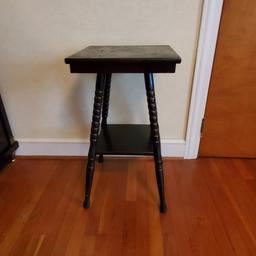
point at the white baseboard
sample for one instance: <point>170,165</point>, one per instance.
<point>76,147</point>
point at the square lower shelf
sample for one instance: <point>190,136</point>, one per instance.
<point>124,139</point>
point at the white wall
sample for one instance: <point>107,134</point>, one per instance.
<point>43,100</point>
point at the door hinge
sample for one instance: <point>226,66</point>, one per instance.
<point>202,127</point>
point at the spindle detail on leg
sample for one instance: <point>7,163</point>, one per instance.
<point>155,136</point>
<point>95,126</point>
<point>105,107</point>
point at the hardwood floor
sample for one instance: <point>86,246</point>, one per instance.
<point>211,208</point>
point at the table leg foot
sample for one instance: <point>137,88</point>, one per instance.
<point>163,207</point>
<point>100,158</point>
<point>13,157</point>
<point>86,203</point>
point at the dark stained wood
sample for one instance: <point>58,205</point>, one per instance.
<point>105,60</point>
<point>95,127</point>
<point>124,59</point>
<point>8,145</point>
<point>106,99</point>
<point>124,139</point>
<point>105,107</point>
<point>155,137</point>
<point>212,208</point>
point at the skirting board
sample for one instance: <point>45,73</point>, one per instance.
<point>64,147</point>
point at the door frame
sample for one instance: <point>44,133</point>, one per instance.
<point>209,28</point>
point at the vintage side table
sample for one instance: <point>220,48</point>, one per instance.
<point>123,139</point>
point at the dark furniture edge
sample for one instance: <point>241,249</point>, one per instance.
<point>7,155</point>
<point>70,60</point>
<point>129,67</point>
<point>5,121</point>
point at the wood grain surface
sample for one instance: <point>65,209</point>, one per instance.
<point>124,59</point>
<point>125,52</point>
<point>230,117</point>
<point>212,208</point>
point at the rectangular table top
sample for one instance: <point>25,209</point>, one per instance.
<point>124,59</point>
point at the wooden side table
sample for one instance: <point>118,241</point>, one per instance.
<point>123,139</point>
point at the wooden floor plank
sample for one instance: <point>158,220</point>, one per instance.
<point>24,201</point>
<point>211,208</point>
<point>196,223</point>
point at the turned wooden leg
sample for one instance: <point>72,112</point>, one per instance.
<point>100,158</point>
<point>95,126</point>
<point>149,83</point>
<point>105,107</point>
<point>106,99</point>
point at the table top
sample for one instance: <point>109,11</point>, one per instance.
<point>124,59</point>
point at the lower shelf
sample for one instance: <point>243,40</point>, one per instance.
<point>125,139</point>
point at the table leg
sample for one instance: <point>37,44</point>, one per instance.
<point>149,83</point>
<point>95,126</point>
<point>105,106</point>
<point>106,99</point>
